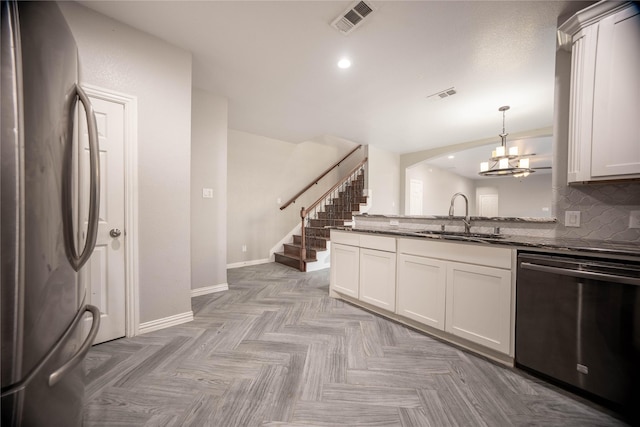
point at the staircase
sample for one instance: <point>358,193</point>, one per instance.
<point>337,210</point>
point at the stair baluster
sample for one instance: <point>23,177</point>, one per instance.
<point>334,208</point>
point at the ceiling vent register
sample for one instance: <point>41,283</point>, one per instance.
<point>443,93</point>
<point>353,17</point>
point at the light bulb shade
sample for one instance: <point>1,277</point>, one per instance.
<point>500,152</point>
<point>523,163</point>
<point>504,164</point>
<point>484,166</point>
<point>513,151</point>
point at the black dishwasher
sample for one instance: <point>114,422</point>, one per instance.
<point>578,322</point>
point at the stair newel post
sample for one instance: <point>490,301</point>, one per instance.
<point>303,233</point>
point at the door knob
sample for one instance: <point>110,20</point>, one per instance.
<point>115,232</point>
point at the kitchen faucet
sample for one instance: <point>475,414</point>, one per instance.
<point>466,220</point>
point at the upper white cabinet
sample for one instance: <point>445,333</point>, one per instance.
<point>604,122</point>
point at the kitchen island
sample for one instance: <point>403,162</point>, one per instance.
<point>456,286</point>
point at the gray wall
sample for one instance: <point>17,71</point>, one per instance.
<point>208,170</point>
<point>438,187</point>
<point>383,181</point>
<point>262,170</point>
<point>117,57</point>
<point>530,196</point>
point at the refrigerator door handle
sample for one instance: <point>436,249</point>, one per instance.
<point>77,261</point>
<point>57,375</point>
<point>84,348</point>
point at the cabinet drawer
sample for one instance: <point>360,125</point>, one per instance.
<point>345,238</point>
<point>380,243</point>
<point>481,255</point>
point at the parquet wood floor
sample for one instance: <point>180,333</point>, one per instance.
<point>276,350</point>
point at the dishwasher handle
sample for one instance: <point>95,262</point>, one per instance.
<point>581,273</point>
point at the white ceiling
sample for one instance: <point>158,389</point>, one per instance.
<point>276,63</point>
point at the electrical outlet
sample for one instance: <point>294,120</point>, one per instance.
<point>572,219</point>
<point>207,193</point>
<point>244,248</point>
<point>634,219</point>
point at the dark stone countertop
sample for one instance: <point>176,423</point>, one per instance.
<point>539,220</point>
<point>556,244</point>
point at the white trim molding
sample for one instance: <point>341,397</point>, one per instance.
<point>130,105</point>
<point>165,322</point>
<point>248,263</point>
<point>209,290</point>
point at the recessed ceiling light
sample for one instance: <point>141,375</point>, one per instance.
<point>344,63</point>
<point>451,157</point>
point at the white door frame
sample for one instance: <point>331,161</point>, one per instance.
<point>130,105</point>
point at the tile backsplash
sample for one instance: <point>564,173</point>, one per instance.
<point>604,210</point>
<point>604,215</point>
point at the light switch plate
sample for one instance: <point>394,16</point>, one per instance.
<point>572,219</point>
<point>207,193</point>
<point>634,219</point>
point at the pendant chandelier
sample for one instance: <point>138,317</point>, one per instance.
<point>503,161</point>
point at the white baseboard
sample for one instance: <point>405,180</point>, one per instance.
<point>165,322</point>
<point>209,290</point>
<point>247,263</point>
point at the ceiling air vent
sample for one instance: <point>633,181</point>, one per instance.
<point>444,93</point>
<point>353,17</point>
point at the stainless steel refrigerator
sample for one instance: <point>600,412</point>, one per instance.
<point>42,299</point>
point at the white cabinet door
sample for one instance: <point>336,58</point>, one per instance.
<point>479,304</point>
<point>604,130</point>
<point>616,102</point>
<point>583,54</point>
<point>422,289</point>
<point>345,269</point>
<point>378,278</point>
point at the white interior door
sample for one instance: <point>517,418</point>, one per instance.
<point>488,205</point>
<point>415,197</point>
<point>104,273</point>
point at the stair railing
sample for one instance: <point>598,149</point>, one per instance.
<point>305,243</point>
<point>315,181</point>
